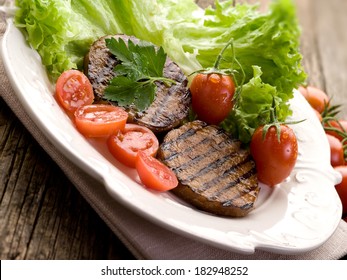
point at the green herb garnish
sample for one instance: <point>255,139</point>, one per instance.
<point>141,66</point>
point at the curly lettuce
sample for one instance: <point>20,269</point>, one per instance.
<point>266,45</point>
<point>63,30</point>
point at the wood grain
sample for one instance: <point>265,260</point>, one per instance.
<point>42,215</point>
<point>323,45</point>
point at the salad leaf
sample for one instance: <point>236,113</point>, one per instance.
<point>254,107</point>
<point>266,43</point>
<point>268,40</point>
<point>63,30</point>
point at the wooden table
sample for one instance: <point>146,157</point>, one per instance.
<point>42,215</point>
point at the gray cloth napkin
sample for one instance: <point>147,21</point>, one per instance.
<point>143,238</point>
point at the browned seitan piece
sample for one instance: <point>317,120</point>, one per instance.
<point>171,105</point>
<point>215,174</point>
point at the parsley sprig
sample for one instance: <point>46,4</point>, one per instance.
<point>141,66</point>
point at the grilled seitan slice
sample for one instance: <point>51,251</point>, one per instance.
<point>171,105</point>
<point>215,174</point>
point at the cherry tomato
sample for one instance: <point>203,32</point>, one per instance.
<point>317,98</point>
<point>73,89</point>
<point>341,188</point>
<point>212,96</point>
<point>336,151</point>
<point>274,159</point>
<point>99,120</point>
<point>154,174</point>
<point>125,144</point>
<point>340,125</point>
<point>319,116</point>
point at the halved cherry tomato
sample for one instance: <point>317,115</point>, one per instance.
<point>154,174</point>
<point>73,89</point>
<point>340,125</point>
<point>274,159</point>
<point>100,120</point>
<point>341,188</point>
<point>317,98</point>
<point>125,144</point>
<point>336,151</point>
<point>212,96</point>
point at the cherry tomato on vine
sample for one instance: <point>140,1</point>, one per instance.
<point>319,116</point>
<point>154,174</point>
<point>317,98</point>
<point>341,188</point>
<point>125,144</point>
<point>274,158</point>
<point>336,151</point>
<point>99,120</point>
<point>73,89</point>
<point>212,96</point>
<point>340,125</point>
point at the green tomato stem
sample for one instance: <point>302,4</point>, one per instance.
<point>337,131</point>
<point>220,55</point>
<point>166,81</point>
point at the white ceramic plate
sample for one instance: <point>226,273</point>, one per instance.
<point>294,217</point>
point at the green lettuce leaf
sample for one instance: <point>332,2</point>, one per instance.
<point>265,44</point>
<point>254,107</point>
<point>268,41</point>
<point>63,30</point>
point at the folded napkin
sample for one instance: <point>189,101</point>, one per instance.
<point>143,238</point>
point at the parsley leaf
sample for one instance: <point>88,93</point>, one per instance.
<point>141,66</point>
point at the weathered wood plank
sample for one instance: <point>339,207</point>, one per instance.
<point>323,45</point>
<point>309,47</point>
<point>42,215</point>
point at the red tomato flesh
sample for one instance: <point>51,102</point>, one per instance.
<point>73,89</point>
<point>100,120</point>
<point>212,96</point>
<point>125,144</point>
<point>342,187</point>
<point>154,174</point>
<point>274,159</point>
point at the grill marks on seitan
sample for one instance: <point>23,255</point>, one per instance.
<point>215,174</point>
<point>171,105</point>
<point>99,64</point>
<point>168,110</point>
